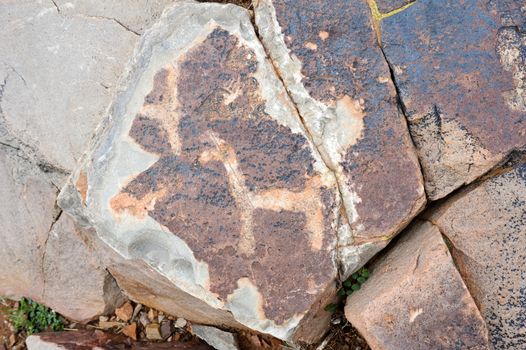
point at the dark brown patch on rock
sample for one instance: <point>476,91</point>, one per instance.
<point>459,67</point>
<point>235,185</point>
<point>341,60</point>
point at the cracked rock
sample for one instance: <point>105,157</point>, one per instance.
<point>416,299</point>
<point>42,252</point>
<point>460,68</point>
<point>63,69</point>
<point>486,227</point>
<point>203,179</point>
<point>330,62</point>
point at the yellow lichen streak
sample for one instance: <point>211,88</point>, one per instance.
<point>378,16</point>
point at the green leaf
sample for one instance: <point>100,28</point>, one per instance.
<point>361,279</point>
<point>341,292</point>
<point>355,287</point>
<point>365,273</point>
<point>354,276</point>
<point>349,292</point>
<point>347,283</point>
<point>330,307</point>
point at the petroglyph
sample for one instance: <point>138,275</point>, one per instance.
<point>233,183</point>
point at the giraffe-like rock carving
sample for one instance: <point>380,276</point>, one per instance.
<point>238,187</point>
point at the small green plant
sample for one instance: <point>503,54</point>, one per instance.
<point>349,286</point>
<point>31,317</point>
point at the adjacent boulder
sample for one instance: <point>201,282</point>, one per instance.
<point>460,67</point>
<point>58,70</point>
<point>43,254</point>
<point>416,299</point>
<point>331,64</point>
<point>97,340</point>
<point>486,227</point>
<point>203,178</point>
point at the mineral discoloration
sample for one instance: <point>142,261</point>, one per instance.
<point>388,6</point>
<point>82,186</point>
<point>333,68</point>
<point>239,188</point>
<point>473,78</point>
<point>416,299</point>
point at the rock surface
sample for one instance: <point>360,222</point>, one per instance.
<point>460,68</point>
<point>416,299</point>
<point>193,181</point>
<point>334,70</point>
<point>95,340</point>
<point>58,69</point>
<point>42,252</point>
<point>217,338</point>
<point>486,226</point>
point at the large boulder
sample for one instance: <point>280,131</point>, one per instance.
<point>204,181</point>
<point>416,299</point>
<point>486,227</point>
<point>58,69</point>
<point>331,64</point>
<point>460,67</point>
<point>43,254</point>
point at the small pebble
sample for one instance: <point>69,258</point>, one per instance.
<point>153,332</point>
<point>180,323</point>
<point>130,331</point>
<point>125,312</point>
<point>152,315</point>
<point>143,318</point>
<point>138,308</point>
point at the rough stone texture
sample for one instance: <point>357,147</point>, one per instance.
<point>486,226</point>
<point>217,338</point>
<point>460,68</point>
<point>134,16</point>
<point>42,253</point>
<point>416,299</point>
<point>332,66</point>
<point>203,165</point>
<point>58,69</point>
<point>95,340</point>
<point>63,60</point>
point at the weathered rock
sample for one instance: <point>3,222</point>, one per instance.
<point>57,73</point>
<point>486,227</point>
<point>42,252</point>
<point>334,70</point>
<point>125,312</point>
<point>460,68</point>
<point>217,338</point>
<point>416,299</point>
<point>203,165</point>
<point>153,331</point>
<point>95,340</point>
<point>134,16</point>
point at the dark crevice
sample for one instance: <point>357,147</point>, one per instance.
<point>343,209</point>
<point>56,217</point>
<point>402,108</point>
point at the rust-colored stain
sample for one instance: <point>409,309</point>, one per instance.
<point>235,185</point>
<point>347,70</point>
<point>82,186</point>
